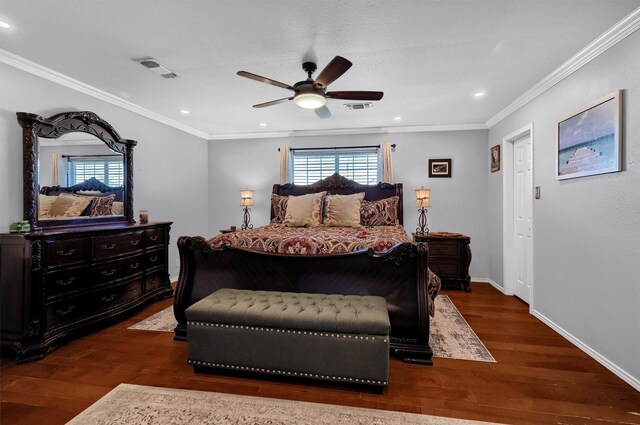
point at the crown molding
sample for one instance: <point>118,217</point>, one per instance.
<point>349,131</point>
<point>610,38</point>
<point>23,64</point>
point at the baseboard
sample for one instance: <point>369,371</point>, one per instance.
<point>622,374</point>
<point>495,285</point>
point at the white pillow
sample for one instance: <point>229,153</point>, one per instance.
<point>343,210</point>
<point>304,211</point>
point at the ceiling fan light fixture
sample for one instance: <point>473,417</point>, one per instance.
<point>310,100</point>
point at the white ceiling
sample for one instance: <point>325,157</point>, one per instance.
<point>428,56</point>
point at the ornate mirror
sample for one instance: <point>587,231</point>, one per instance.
<point>77,171</point>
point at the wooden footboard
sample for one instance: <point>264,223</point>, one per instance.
<point>399,275</point>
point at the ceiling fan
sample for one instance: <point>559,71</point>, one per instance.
<point>312,94</point>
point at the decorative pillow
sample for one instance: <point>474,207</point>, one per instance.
<point>89,193</point>
<point>44,205</point>
<point>304,211</point>
<point>383,212</point>
<point>117,208</point>
<point>343,210</point>
<point>100,205</point>
<point>279,207</point>
<point>69,205</point>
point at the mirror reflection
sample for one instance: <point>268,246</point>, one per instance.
<point>79,176</point>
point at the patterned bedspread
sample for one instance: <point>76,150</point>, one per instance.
<point>281,239</point>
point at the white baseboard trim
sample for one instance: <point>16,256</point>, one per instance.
<point>622,374</point>
<point>495,285</point>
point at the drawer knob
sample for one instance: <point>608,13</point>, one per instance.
<point>134,266</point>
<point>108,299</point>
<point>65,282</point>
<point>109,247</point>
<point>65,311</point>
<point>134,243</point>
<point>153,259</point>
<point>108,272</point>
<point>153,238</point>
<point>66,253</point>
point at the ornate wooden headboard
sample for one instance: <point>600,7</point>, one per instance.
<point>339,185</point>
<point>89,184</point>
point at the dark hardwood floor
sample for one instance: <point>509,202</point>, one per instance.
<point>539,377</point>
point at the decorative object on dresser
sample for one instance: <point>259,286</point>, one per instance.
<point>449,257</point>
<point>63,279</point>
<point>246,201</point>
<point>423,201</point>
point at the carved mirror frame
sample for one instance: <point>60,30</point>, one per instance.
<point>35,126</point>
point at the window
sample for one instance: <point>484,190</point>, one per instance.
<point>358,164</point>
<point>109,169</point>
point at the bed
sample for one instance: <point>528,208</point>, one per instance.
<point>364,260</point>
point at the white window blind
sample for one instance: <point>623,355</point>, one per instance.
<point>108,170</point>
<point>360,165</point>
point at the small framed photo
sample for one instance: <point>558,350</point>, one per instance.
<point>440,167</point>
<point>495,158</point>
<point>589,141</point>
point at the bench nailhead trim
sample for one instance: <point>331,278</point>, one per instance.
<point>284,372</point>
<point>257,328</point>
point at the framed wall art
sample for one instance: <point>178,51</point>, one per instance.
<point>440,167</point>
<point>589,141</point>
<point>495,158</point>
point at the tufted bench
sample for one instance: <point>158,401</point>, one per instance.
<point>332,337</point>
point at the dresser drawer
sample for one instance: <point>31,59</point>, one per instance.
<point>445,269</point>
<point>115,245</point>
<point>153,238</point>
<point>114,296</point>
<point>65,311</point>
<point>156,280</point>
<point>112,271</point>
<point>66,281</point>
<point>444,249</point>
<point>154,258</point>
<point>66,252</point>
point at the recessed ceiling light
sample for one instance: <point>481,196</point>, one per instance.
<point>479,94</point>
<point>184,112</point>
<point>398,118</point>
<point>3,24</point>
<point>263,124</point>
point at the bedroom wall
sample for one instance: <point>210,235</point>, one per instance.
<point>459,203</point>
<point>170,166</point>
<point>585,230</point>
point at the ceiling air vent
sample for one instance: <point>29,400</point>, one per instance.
<point>157,67</point>
<point>358,106</point>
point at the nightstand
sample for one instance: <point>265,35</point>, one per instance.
<point>449,257</point>
<point>230,230</point>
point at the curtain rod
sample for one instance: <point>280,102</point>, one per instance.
<point>335,147</point>
<point>90,156</point>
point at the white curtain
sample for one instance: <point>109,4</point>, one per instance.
<point>386,163</point>
<point>284,164</point>
<point>55,178</point>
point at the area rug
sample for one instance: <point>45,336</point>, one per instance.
<point>451,336</point>
<point>137,404</point>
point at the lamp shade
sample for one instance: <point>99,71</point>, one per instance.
<point>309,100</point>
<point>423,198</point>
<point>246,198</point>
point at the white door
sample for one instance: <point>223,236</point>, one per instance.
<point>522,218</point>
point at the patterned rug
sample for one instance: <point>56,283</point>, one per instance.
<point>451,336</point>
<point>138,404</point>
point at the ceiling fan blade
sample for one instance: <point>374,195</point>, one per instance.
<point>323,112</point>
<point>332,72</point>
<point>355,95</point>
<point>272,102</point>
<point>265,80</point>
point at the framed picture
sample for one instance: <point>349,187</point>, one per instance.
<point>589,141</point>
<point>440,168</point>
<point>495,158</point>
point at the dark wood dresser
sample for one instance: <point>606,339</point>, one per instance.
<point>60,280</point>
<point>449,257</point>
